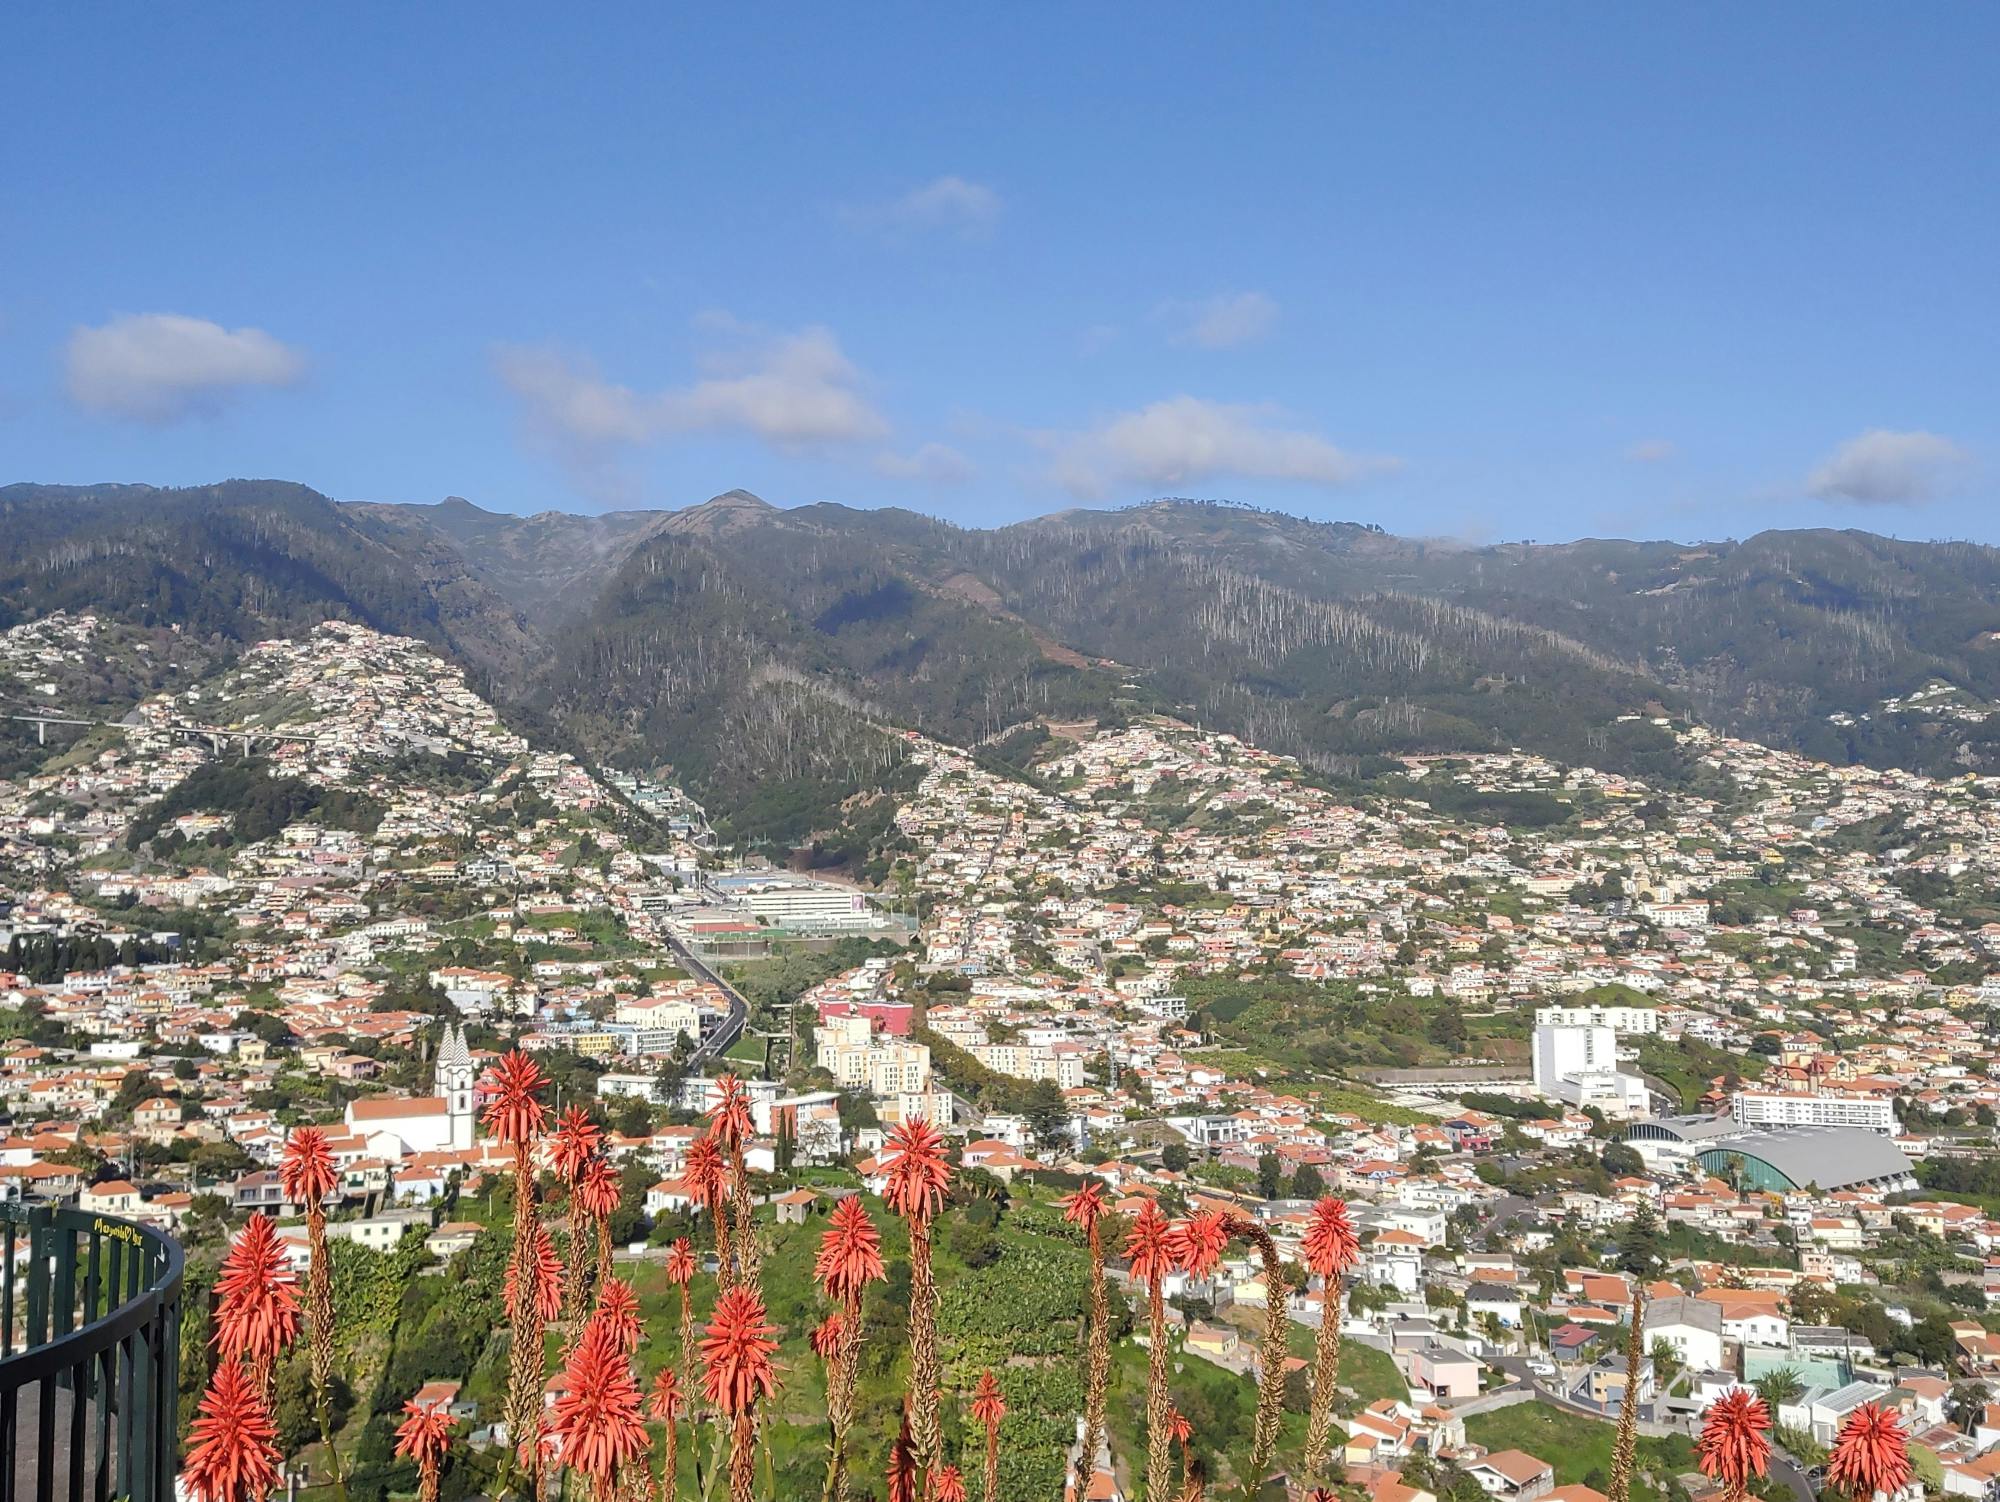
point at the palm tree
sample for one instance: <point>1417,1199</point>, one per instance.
<point>1330,1247</point>
<point>596,1420</point>
<point>1871,1457</point>
<point>665,1404</point>
<point>1625,1448</point>
<point>233,1450</point>
<point>1085,1208</point>
<point>307,1176</point>
<point>515,1116</point>
<point>1735,1441</point>
<point>918,1174</point>
<point>1150,1247</point>
<point>257,1315</point>
<point>729,1122</point>
<point>989,1408</point>
<point>424,1436</point>
<point>705,1176</point>
<point>1779,1387</point>
<point>737,1372</point>
<point>849,1259</point>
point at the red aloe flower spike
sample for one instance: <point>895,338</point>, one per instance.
<point>306,1173</point>
<point>1200,1241</point>
<point>850,1252</point>
<point>618,1311</point>
<point>258,1315</point>
<point>1870,1455</point>
<point>515,1114</point>
<point>919,1172</point>
<point>597,1420</point>
<point>424,1436</point>
<point>1084,1208</point>
<point>729,1120</point>
<point>825,1337</point>
<point>573,1143</point>
<point>680,1262</point>
<point>232,1452</point>
<point>1734,1444</point>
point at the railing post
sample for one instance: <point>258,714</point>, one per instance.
<point>38,1277</point>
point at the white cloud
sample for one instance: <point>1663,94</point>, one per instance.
<point>1222,322</point>
<point>949,204</point>
<point>1884,468</point>
<point>790,390</point>
<point>1185,441</point>
<point>1652,451</point>
<point>937,464</point>
<point>156,367</point>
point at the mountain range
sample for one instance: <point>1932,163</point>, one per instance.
<point>767,656</point>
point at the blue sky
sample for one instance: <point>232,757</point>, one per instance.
<point>1492,272</point>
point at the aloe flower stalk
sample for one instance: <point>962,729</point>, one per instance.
<point>730,1124</point>
<point>918,1174</point>
<point>1150,1248</point>
<point>737,1372</point>
<point>307,1175</point>
<point>706,1177</point>
<point>424,1436</point>
<point>989,1408</point>
<point>1625,1446</point>
<point>849,1259</point>
<point>1085,1209</point>
<point>596,1420</point>
<point>257,1315</point>
<point>666,1404</point>
<point>1330,1247</point>
<point>516,1117</point>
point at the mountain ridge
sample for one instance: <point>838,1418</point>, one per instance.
<point>761,650</point>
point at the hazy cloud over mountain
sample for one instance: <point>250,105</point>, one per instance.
<point>1884,468</point>
<point>1185,440</point>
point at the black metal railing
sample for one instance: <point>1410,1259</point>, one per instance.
<point>90,1334</point>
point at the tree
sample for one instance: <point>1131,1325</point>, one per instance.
<point>1780,1387</point>
<point>1967,1404</point>
<point>1174,1157</point>
<point>1639,1242</point>
<point>1047,1114</point>
<point>1447,1027</point>
<point>1622,1161</point>
<point>1270,1174</point>
<point>1307,1183</point>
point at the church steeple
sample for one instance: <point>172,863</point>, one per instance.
<point>454,1083</point>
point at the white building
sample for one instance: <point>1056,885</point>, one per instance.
<point>396,1126</point>
<point>1781,1108</point>
<point>1621,1020</point>
<point>1580,1065</point>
